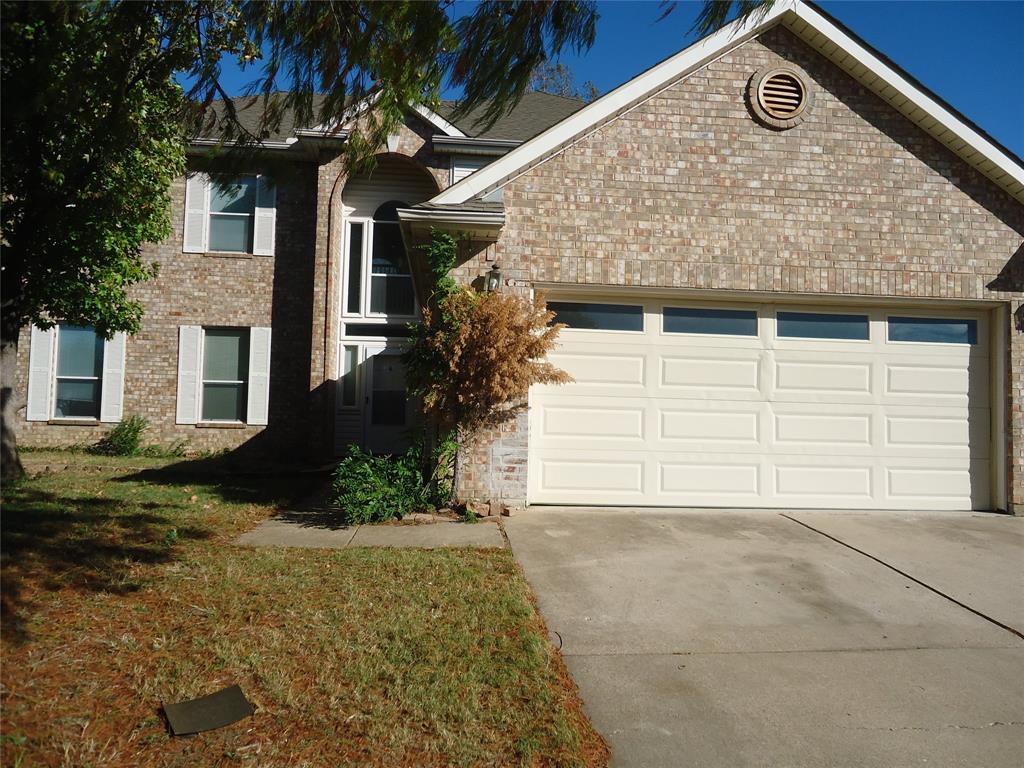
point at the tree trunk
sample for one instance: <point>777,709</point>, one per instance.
<point>10,400</point>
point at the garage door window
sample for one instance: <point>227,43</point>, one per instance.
<point>815,325</point>
<point>598,317</point>
<point>933,330</point>
<point>725,322</point>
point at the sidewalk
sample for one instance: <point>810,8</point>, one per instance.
<point>317,530</point>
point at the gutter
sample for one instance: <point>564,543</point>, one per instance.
<point>475,219</point>
<point>467,145</point>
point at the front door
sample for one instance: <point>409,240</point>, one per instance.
<point>387,412</point>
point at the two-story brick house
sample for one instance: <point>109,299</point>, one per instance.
<point>791,277</point>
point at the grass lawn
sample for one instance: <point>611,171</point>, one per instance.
<point>121,590</point>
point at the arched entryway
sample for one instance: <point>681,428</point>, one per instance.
<point>378,300</point>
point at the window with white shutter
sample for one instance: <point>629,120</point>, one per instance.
<point>230,214</point>
<point>223,375</point>
<point>74,374</point>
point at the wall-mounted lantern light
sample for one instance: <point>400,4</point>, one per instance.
<point>493,278</point>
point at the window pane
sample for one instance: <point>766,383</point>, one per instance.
<point>935,330</point>
<point>355,266</point>
<point>373,329</point>
<point>604,317</point>
<point>388,409</point>
<point>231,233</point>
<point>233,195</point>
<point>223,402</point>
<point>79,351</point>
<point>348,376</point>
<point>812,325</point>
<point>77,399</point>
<point>391,295</point>
<point>388,251</point>
<point>734,322</point>
<point>226,355</point>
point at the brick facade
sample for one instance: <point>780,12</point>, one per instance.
<point>688,190</point>
<point>214,289</point>
<point>683,190</point>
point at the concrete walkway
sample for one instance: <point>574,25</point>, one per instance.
<point>316,531</point>
<point>749,638</point>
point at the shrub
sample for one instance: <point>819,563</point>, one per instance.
<point>123,440</point>
<point>475,357</point>
<point>372,489</point>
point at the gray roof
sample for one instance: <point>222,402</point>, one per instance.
<point>535,112</point>
<point>471,206</point>
<point>250,113</point>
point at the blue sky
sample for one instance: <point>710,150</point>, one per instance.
<point>969,53</point>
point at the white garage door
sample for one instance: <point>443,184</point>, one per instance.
<point>697,404</point>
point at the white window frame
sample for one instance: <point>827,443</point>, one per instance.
<point>366,276</point>
<point>204,381</point>
<point>214,179</point>
<point>198,215</point>
<point>55,367</point>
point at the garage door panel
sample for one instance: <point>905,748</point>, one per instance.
<point>822,379</point>
<point>602,368</point>
<point>685,419</point>
<point>926,484</point>
<point>597,421</point>
<point>821,428</point>
<point>720,425</point>
<point>937,383</point>
<point>702,371</point>
<point>701,481</point>
<point>949,433</point>
<point>852,483</point>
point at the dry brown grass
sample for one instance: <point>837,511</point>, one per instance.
<point>352,657</point>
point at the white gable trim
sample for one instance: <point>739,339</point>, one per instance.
<point>437,121</point>
<point>808,24</point>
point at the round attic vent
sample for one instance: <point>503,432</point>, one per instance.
<point>779,97</point>
<point>781,94</point>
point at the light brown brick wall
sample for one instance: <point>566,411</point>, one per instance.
<point>687,190</point>
<point>294,292</point>
<point>201,289</point>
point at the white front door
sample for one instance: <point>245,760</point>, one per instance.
<point>689,403</point>
<point>387,412</point>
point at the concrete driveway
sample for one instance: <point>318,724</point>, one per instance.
<point>753,638</point>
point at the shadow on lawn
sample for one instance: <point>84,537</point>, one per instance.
<point>54,538</point>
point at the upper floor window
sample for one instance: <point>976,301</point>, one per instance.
<point>232,214</point>
<point>229,214</point>
<point>379,280</point>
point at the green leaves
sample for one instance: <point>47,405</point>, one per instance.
<point>92,141</point>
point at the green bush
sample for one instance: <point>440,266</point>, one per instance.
<point>123,440</point>
<point>372,489</point>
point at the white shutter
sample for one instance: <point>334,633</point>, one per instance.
<point>40,373</point>
<point>190,348</point>
<point>266,217</point>
<point>112,386</point>
<point>259,376</point>
<point>197,220</point>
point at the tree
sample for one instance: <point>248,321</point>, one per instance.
<point>557,78</point>
<point>91,141</point>
<point>94,126</point>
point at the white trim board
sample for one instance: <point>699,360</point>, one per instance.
<point>819,33</point>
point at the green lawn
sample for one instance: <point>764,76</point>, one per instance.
<point>121,590</point>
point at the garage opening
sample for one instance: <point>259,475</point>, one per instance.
<point>681,403</point>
